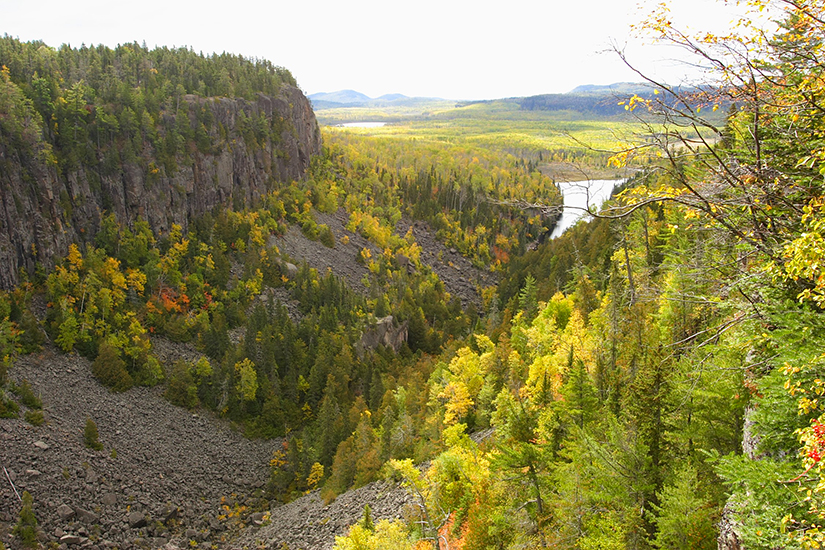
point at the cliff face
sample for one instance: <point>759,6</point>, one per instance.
<point>43,211</point>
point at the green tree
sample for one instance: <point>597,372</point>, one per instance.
<point>8,338</point>
<point>26,527</point>
<point>90,435</point>
<point>521,455</point>
<point>110,369</point>
<point>181,389</point>
<point>684,520</point>
<point>68,332</point>
<point>247,384</point>
<point>527,299</point>
<point>580,399</point>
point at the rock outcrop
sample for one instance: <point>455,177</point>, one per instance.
<point>385,332</point>
<point>42,211</point>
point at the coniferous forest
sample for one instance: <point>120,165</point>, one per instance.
<point>652,378</point>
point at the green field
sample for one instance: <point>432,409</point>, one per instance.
<point>566,143</point>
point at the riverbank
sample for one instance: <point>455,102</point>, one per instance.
<point>581,196</point>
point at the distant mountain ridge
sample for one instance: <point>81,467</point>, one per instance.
<point>600,100</point>
<point>341,96</point>
<point>352,98</point>
<point>588,98</point>
<point>640,88</point>
<point>606,100</point>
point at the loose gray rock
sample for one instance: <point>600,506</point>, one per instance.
<point>86,516</point>
<point>170,513</point>
<point>137,520</point>
<point>65,512</point>
<point>310,524</point>
<point>70,540</point>
<point>386,332</point>
<point>166,456</point>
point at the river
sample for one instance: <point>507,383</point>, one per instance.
<point>579,195</point>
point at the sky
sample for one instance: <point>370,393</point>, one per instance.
<point>454,49</point>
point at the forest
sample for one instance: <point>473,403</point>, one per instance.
<point>653,378</point>
<point>85,97</point>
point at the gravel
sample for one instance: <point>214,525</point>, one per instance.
<point>309,524</point>
<point>166,477</point>
<point>162,462</point>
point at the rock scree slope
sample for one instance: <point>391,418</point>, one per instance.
<point>460,277</point>
<point>164,476</point>
<point>163,473</point>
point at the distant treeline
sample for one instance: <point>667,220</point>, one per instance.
<point>604,105</point>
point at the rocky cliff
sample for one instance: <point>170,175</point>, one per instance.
<point>44,208</point>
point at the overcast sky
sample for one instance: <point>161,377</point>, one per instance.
<point>456,49</point>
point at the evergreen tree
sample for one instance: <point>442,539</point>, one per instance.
<point>26,527</point>
<point>90,435</point>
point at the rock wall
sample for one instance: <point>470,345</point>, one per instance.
<point>385,332</point>
<point>43,211</point>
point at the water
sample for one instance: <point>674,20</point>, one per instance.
<point>579,195</point>
<point>361,124</point>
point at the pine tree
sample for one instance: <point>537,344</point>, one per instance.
<point>26,528</point>
<point>90,435</point>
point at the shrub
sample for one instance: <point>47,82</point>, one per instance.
<point>182,390</point>
<point>110,369</point>
<point>8,408</point>
<point>34,417</point>
<point>90,435</point>
<point>177,330</point>
<point>26,394</point>
<point>149,372</point>
<point>310,229</point>
<point>32,337</point>
<point>326,236</point>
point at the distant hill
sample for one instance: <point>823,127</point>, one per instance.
<point>351,98</point>
<point>393,97</point>
<point>590,100</point>
<point>341,96</point>
<point>602,100</point>
<point>622,88</point>
<point>600,104</point>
